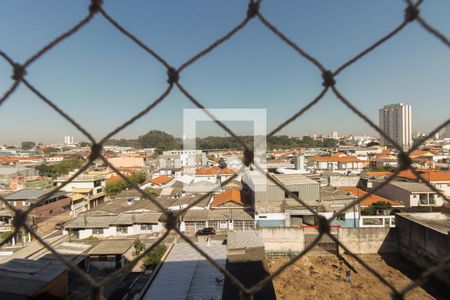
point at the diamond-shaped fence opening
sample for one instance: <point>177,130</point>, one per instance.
<point>174,79</point>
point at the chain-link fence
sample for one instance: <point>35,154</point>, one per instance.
<point>253,14</point>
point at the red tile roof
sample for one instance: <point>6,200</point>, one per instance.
<point>163,179</point>
<point>227,196</point>
<point>369,200</point>
<point>417,153</point>
<point>427,175</point>
<point>227,171</point>
<point>213,171</point>
<point>335,158</point>
<point>378,174</point>
<point>207,171</point>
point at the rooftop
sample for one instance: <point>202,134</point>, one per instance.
<point>111,247</point>
<point>412,187</point>
<point>370,199</point>
<point>435,220</point>
<point>244,239</point>
<point>32,195</point>
<point>26,277</point>
<point>230,195</point>
<point>185,274</point>
<point>291,179</point>
<point>163,179</point>
<point>335,159</point>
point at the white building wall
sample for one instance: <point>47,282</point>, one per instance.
<point>85,233</point>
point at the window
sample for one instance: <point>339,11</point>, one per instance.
<point>194,226</point>
<point>122,229</point>
<point>146,227</point>
<point>432,199</point>
<point>97,231</point>
<point>287,195</point>
<point>423,199</point>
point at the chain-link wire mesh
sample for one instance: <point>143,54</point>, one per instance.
<point>95,9</point>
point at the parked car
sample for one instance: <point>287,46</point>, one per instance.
<point>206,231</point>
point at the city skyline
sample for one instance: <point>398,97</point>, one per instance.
<point>108,74</point>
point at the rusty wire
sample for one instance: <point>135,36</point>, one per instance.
<point>95,9</point>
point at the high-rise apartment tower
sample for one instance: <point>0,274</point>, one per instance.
<point>395,121</point>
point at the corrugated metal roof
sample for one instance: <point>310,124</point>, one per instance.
<point>90,222</point>
<point>217,215</point>
<point>185,274</point>
<point>413,187</point>
<point>111,247</point>
<point>138,218</point>
<point>31,194</point>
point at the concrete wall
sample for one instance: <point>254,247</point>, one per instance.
<point>368,240</point>
<point>357,240</point>
<point>424,246</point>
<point>282,239</point>
<point>343,180</point>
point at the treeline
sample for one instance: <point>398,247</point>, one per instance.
<point>61,168</point>
<point>163,141</point>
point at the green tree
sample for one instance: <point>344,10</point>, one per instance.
<point>28,145</point>
<point>85,144</point>
<point>138,177</point>
<point>67,165</point>
<point>139,246</point>
<point>308,142</point>
<point>45,170</point>
<point>329,143</point>
<point>51,150</point>
<point>376,208</point>
<point>151,192</point>
<point>152,259</point>
<point>158,139</point>
<point>113,188</point>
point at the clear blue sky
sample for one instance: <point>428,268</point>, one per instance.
<point>101,78</point>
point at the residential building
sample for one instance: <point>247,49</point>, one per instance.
<point>127,162</point>
<point>228,199</point>
<point>337,163</point>
<point>90,186</point>
<point>272,205</point>
<point>110,255</point>
<point>158,182</point>
<point>220,220</point>
<point>103,226</point>
<point>44,205</point>
<point>441,180</point>
<point>182,158</point>
<point>395,121</point>
<point>68,140</point>
<point>410,194</point>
